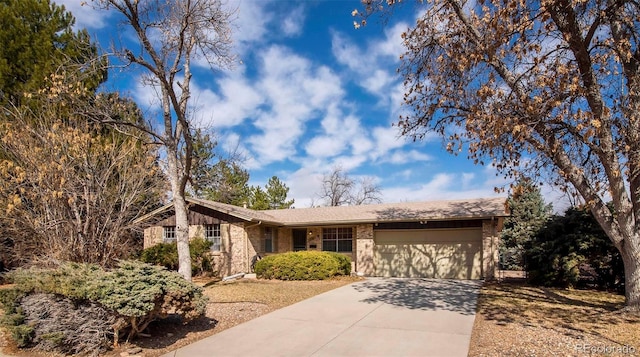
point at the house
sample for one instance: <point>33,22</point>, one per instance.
<point>439,239</point>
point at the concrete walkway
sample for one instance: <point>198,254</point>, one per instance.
<point>375,317</point>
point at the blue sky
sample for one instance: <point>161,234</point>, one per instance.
<point>310,93</point>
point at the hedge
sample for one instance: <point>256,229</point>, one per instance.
<point>306,265</point>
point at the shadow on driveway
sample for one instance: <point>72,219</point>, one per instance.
<point>423,294</point>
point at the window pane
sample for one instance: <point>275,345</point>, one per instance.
<point>216,245</point>
<point>212,234</point>
<point>268,240</point>
<point>344,245</point>
<point>329,245</point>
<point>169,234</point>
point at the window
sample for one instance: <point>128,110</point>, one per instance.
<point>169,234</point>
<point>337,239</point>
<point>212,234</point>
<point>269,240</point>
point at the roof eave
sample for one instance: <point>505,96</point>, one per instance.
<point>372,221</point>
<point>152,213</point>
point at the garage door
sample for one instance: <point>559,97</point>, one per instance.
<point>433,253</point>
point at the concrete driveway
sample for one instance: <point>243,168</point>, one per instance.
<point>375,317</point>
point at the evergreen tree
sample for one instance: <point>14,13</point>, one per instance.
<point>259,199</point>
<point>229,184</point>
<point>277,194</point>
<point>37,38</point>
<point>529,213</point>
<point>202,170</point>
<point>573,250</point>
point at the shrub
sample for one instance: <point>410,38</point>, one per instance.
<point>344,261</point>
<point>163,254</point>
<point>166,255</point>
<point>572,250</point>
<point>77,308</point>
<point>307,265</point>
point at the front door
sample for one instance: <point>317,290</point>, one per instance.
<point>299,240</point>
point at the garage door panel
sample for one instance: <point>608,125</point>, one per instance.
<point>452,254</point>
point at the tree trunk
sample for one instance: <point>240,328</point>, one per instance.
<point>182,220</point>
<point>631,258</point>
<point>182,235</point>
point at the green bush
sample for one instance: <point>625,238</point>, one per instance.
<point>307,265</point>
<point>49,306</point>
<point>163,254</point>
<point>166,255</point>
<point>344,262</point>
<point>573,250</point>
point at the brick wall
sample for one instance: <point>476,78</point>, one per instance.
<point>490,240</point>
<point>364,250</point>
<point>152,236</point>
<point>284,240</point>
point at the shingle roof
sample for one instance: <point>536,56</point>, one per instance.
<point>393,212</point>
<point>386,212</point>
<point>236,211</point>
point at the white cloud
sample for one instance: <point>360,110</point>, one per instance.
<point>385,139</point>
<point>361,144</point>
<point>324,146</point>
<point>402,157</point>
<point>373,64</point>
<point>251,22</point>
<point>347,53</point>
<point>392,45</point>
<point>377,82</point>
<point>338,131</point>
<point>442,186</point>
<point>292,24</point>
<point>467,179</point>
<point>237,100</point>
<point>303,185</point>
<point>295,92</point>
<point>87,16</point>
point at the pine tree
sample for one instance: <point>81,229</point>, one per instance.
<point>529,213</point>
<point>37,38</point>
<point>229,184</point>
<point>277,193</point>
<point>259,199</point>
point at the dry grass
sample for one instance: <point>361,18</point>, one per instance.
<point>274,293</point>
<point>519,320</point>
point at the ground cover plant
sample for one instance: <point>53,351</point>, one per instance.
<point>84,309</point>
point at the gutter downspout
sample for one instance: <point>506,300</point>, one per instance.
<point>246,245</point>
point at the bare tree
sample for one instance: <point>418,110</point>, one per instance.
<point>338,189</point>
<point>367,192</point>
<point>171,34</point>
<point>71,189</point>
